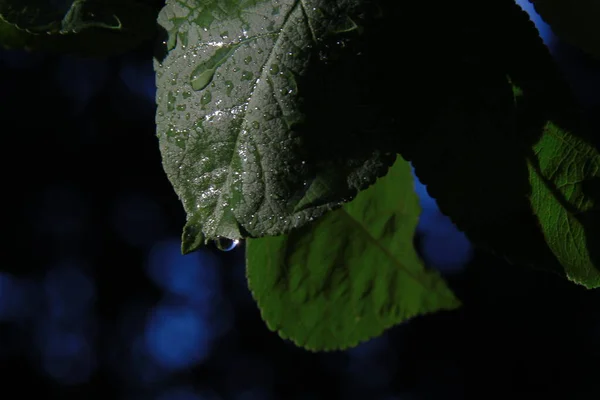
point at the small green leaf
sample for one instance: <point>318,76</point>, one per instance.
<point>349,275</point>
<point>269,113</point>
<point>83,27</point>
<point>576,22</point>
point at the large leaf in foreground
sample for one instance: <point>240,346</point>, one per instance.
<point>351,274</point>
<point>82,27</point>
<point>269,112</point>
<point>508,158</point>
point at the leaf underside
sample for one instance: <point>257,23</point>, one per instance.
<point>349,275</point>
<point>259,130</point>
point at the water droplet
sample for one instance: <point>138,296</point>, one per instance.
<point>181,107</point>
<point>187,94</point>
<point>170,101</point>
<point>247,60</point>
<point>247,75</point>
<point>206,98</point>
<point>255,124</point>
<point>274,69</point>
<point>226,244</point>
<point>229,85</point>
<point>180,142</point>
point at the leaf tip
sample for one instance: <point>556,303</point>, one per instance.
<point>192,238</point>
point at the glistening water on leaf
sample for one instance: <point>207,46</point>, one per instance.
<point>269,112</point>
<point>83,27</point>
<point>225,244</point>
<point>349,275</point>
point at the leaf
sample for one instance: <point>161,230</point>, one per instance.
<point>83,27</point>
<point>507,157</point>
<point>269,112</point>
<point>351,274</point>
<point>576,22</point>
<point>565,178</point>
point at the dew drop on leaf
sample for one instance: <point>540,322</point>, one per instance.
<point>226,244</point>
<point>229,85</point>
<point>206,98</point>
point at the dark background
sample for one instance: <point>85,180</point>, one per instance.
<point>97,302</point>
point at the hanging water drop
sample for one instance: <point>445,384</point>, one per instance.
<point>226,244</point>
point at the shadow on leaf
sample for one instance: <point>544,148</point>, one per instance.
<point>504,154</point>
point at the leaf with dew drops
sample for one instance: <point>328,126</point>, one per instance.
<point>260,131</point>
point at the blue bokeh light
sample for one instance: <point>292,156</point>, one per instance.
<point>67,354</point>
<point>444,247</point>
<point>369,365</point>
<point>177,337</point>
<point>69,292</point>
<point>65,329</point>
<point>542,27</point>
<point>193,276</point>
<point>139,77</point>
<point>16,298</point>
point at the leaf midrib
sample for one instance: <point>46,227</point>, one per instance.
<point>236,145</point>
<point>373,240</point>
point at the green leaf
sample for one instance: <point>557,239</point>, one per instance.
<point>269,113</point>
<point>576,22</point>
<point>565,178</point>
<point>508,156</point>
<point>351,274</point>
<point>83,27</point>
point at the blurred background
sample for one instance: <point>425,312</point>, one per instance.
<point>97,302</point>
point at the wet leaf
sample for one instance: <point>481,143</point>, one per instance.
<point>351,274</point>
<point>269,112</point>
